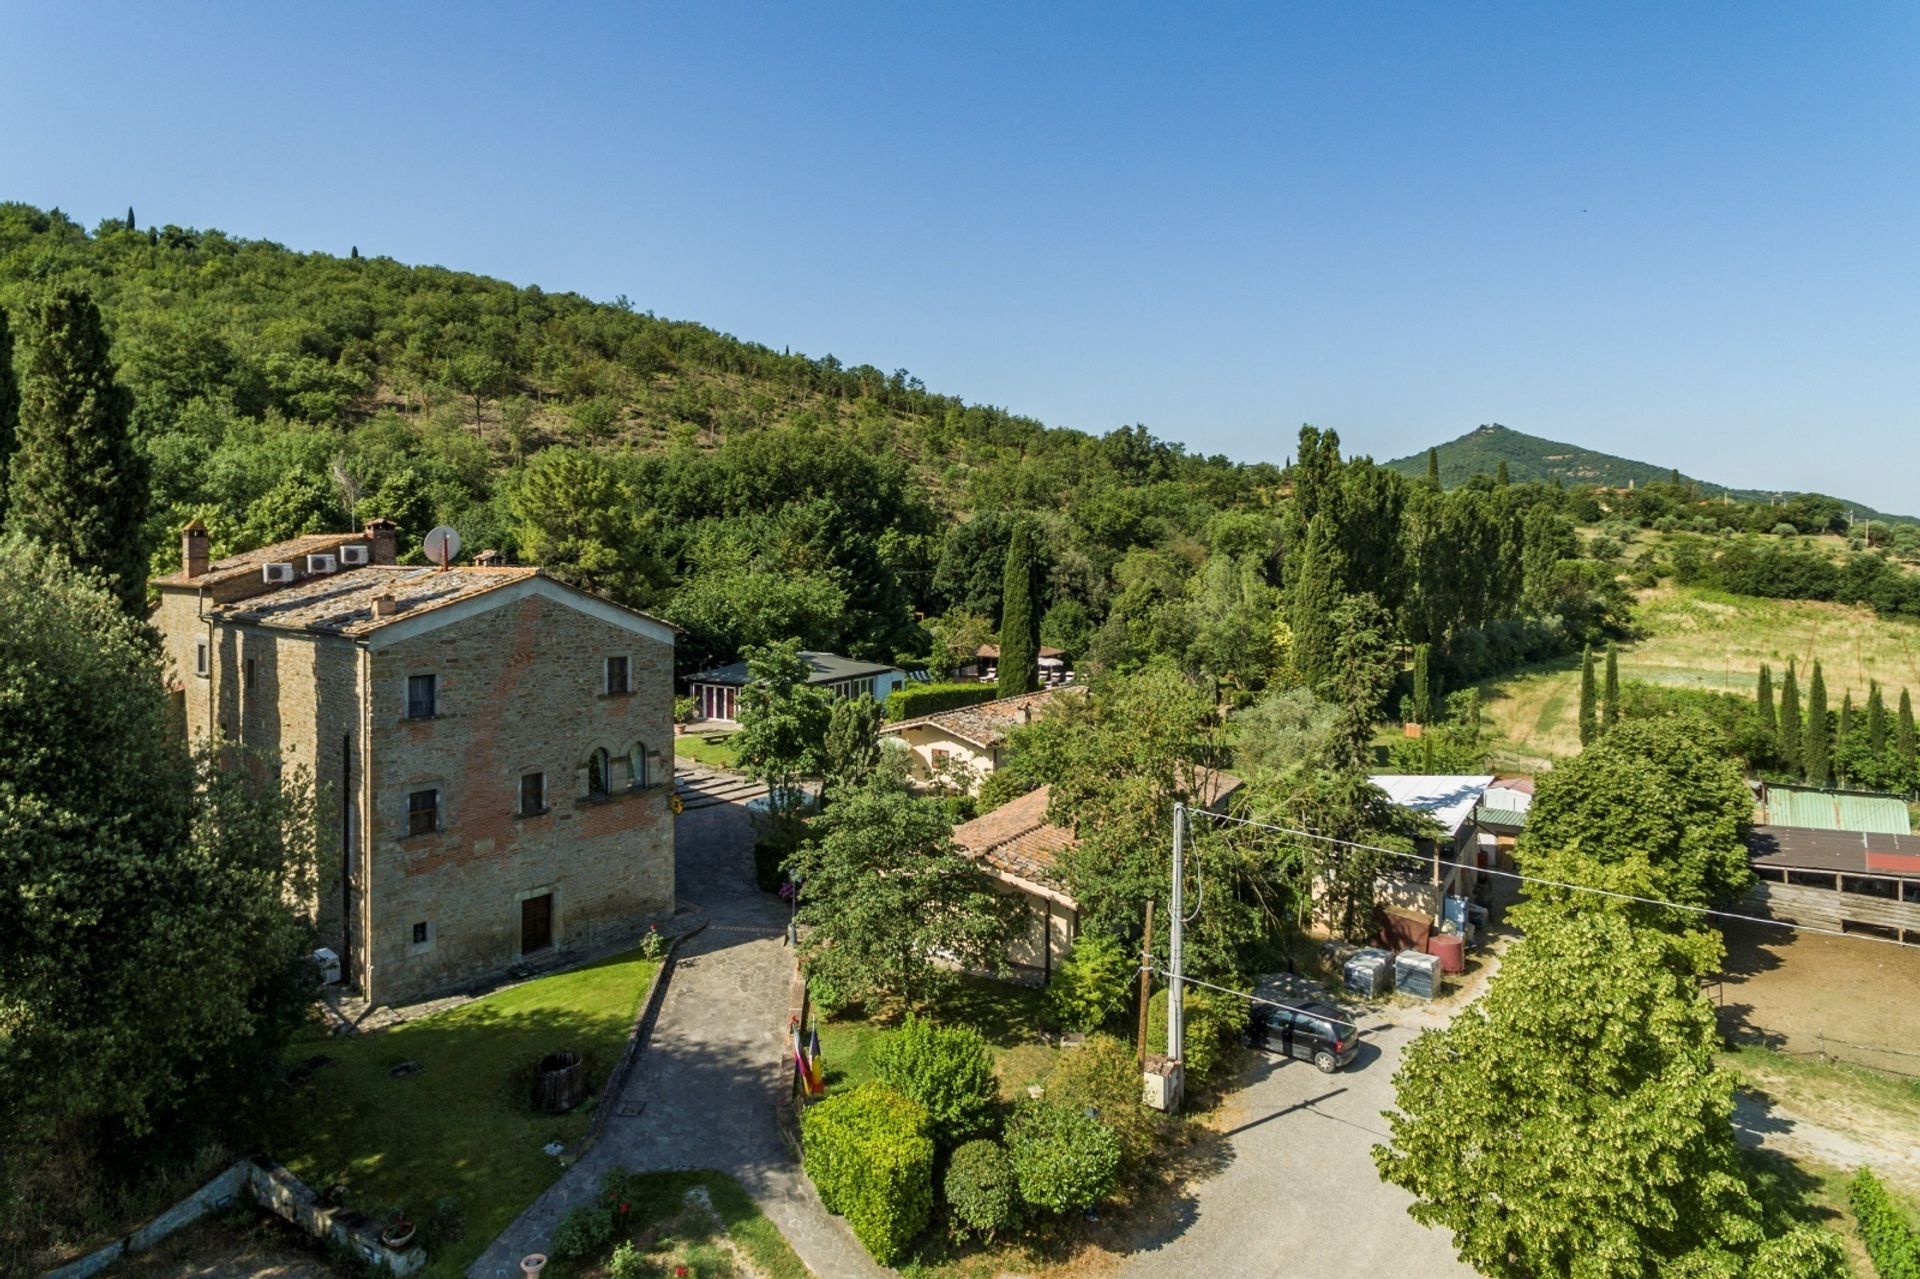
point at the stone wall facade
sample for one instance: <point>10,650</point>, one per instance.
<point>521,687</point>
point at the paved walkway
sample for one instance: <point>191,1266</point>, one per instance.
<point>703,1095</point>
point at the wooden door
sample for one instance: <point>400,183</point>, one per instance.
<point>536,923</point>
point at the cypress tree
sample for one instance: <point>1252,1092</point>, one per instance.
<point>1019,619</point>
<point>1840,752</point>
<point>75,481</point>
<point>1314,597</point>
<point>1588,711</point>
<point>1903,741</point>
<point>1610,690</point>
<point>354,253</point>
<point>1433,467</point>
<point>1819,745</point>
<point>1876,720</point>
<point>1791,746</point>
<point>1769,722</point>
<point>1501,475</point>
<point>1422,685</point>
<point>9,409</point>
<point>130,225</point>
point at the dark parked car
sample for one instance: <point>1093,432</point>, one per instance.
<point>1315,1032</point>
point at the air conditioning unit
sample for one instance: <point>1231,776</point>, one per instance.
<point>353,556</point>
<point>329,965</point>
<point>322,564</point>
<point>276,574</point>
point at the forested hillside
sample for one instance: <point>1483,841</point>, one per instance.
<point>1485,449</point>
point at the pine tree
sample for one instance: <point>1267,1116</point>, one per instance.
<point>1769,722</point>
<point>9,409</point>
<point>1588,711</point>
<point>1019,619</point>
<point>1792,748</point>
<point>1610,690</point>
<point>1313,599</point>
<point>1500,474</point>
<point>1433,467</point>
<point>1876,720</point>
<point>75,481</point>
<point>1819,746</point>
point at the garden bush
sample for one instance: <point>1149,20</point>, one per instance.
<point>1092,983</point>
<point>1214,1024</point>
<point>947,1070</point>
<point>1890,1242</point>
<point>584,1231</point>
<point>1064,1160</point>
<point>1104,1075</point>
<point>870,1156</point>
<point>981,1191</point>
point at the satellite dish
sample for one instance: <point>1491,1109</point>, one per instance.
<point>441,545</point>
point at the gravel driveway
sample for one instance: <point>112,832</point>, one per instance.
<point>1300,1196</point>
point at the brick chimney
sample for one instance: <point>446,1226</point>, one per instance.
<point>193,549</point>
<point>384,604</point>
<point>385,539</point>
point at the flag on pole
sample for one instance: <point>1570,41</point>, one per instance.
<point>812,1081</point>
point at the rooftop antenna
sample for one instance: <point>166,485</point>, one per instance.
<point>441,546</point>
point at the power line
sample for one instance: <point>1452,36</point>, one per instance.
<point>1257,999</point>
<point>1424,860</point>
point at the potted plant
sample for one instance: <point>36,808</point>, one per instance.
<point>397,1233</point>
<point>683,708</point>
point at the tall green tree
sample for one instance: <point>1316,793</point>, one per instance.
<point>783,723</point>
<point>1792,747</point>
<point>1593,1136</point>
<point>1433,468</point>
<point>1501,476</point>
<point>850,751</point>
<point>113,874</point>
<point>1610,690</point>
<point>1904,740</point>
<point>75,481</point>
<point>1547,542</point>
<point>9,409</point>
<point>1019,617</point>
<point>1313,597</point>
<point>1769,722</point>
<point>580,518</point>
<point>1876,720</point>
<point>1589,712</point>
<point>890,904</point>
<point>1819,735</point>
<point>1422,683</point>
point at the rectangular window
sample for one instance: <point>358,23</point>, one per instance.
<point>249,672</point>
<point>423,812</point>
<point>420,933</point>
<point>200,658</point>
<point>617,675</point>
<point>422,699</point>
<point>533,794</point>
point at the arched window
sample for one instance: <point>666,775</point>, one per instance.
<point>598,769</point>
<point>637,765</point>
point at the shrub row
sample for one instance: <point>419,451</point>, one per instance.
<point>914,700</point>
<point>1890,1241</point>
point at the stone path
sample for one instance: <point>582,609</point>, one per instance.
<point>704,1092</point>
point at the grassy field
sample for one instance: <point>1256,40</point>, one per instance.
<point>1005,1014</point>
<point>462,1129</point>
<point>1696,638</point>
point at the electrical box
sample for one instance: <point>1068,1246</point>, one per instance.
<point>1163,1079</point>
<point>329,965</point>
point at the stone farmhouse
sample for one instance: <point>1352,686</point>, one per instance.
<point>490,747</point>
<point>961,746</point>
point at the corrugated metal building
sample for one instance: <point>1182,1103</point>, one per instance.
<point>1811,809</point>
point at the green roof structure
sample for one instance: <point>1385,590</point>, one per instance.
<point>1812,809</point>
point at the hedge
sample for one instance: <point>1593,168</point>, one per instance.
<point>914,700</point>
<point>1890,1241</point>
<point>981,1190</point>
<point>870,1156</point>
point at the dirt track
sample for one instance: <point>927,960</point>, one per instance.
<point>1850,998</point>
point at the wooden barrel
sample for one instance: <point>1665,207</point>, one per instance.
<point>559,1082</point>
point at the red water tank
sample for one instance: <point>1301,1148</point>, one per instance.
<point>1450,949</point>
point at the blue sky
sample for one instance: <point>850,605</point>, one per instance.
<point>1686,233</point>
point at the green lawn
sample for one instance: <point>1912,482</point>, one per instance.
<point>463,1127</point>
<point>671,1227</point>
<point>715,755</point>
<point>1007,1015</point>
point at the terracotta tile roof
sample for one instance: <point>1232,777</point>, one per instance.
<point>247,563</point>
<point>1017,839</point>
<point>342,603</point>
<point>988,723</point>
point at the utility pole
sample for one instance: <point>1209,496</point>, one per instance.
<point>1176,1007</point>
<point>1146,981</point>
